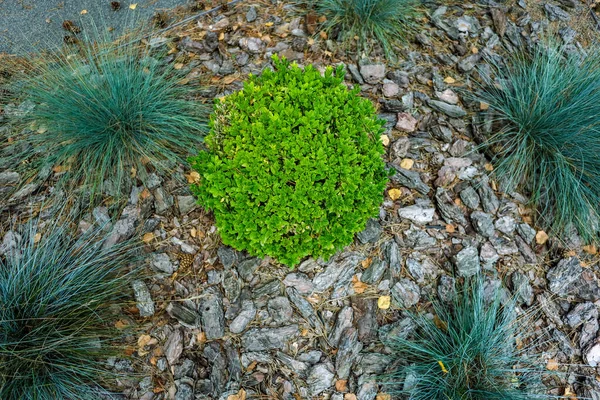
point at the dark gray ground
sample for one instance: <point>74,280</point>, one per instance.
<point>27,25</point>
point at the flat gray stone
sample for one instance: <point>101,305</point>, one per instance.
<point>262,339</point>
<point>467,261</point>
<point>143,299</point>
<point>213,319</point>
<point>450,110</point>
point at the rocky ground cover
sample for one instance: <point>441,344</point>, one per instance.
<point>216,323</point>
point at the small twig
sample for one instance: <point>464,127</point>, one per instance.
<point>184,21</point>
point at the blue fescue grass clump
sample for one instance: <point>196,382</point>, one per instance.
<point>469,350</point>
<point>390,22</point>
<point>55,319</point>
<point>105,111</point>
<point>547,106</point>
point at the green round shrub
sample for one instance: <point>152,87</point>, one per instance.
<point>294,166</point>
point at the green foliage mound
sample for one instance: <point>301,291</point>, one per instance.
<point>387,21</point>
<point>547,109</point>
<point>104,111</point>
<point>294,165</point>
<point>55,321</point>
<point>468,351</point>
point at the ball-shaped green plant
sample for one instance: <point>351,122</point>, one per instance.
<point>294,166</point>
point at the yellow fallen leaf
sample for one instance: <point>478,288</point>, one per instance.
<point>341,385</point>
<point>483,106</point>
<point>269,24</point>
<point>541,237</point>
<point>590,249</point>
<point>350,396</point>
<point>488,167</point>
<point>83,12</point>
<point>37,237</point>
<point>148,237</point>
<point>120,324</point>
<point>407,163</point>
<point>193,177</point>
<point>450,228</point>
<point>384,302</point>
<point>358,286</point>
<point>449,80</point>
<point>241,395</point>
<point>143,340</point>
<point>366,262</point>
<point>178,66</point>
<point>383,396</point>
<point>385,140</point>
<point>552,365</point>
<point>323,35</point>
<point>132,6</point>
<point>394,194</point>
<point>221,35</point>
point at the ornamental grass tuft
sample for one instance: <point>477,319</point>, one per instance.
<point>56,325</point>
<point>104,112</point>
<point>294,166</point>
<point>471,349</point>
<point>546,106</point>
<point>389,22</point>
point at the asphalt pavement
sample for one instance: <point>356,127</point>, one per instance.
<point>30,25</point>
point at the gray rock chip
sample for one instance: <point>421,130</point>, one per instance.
<point>581,314</point>
<point>525,250</point>
<point>488,255</point>
<point>468,63</point>
<point>300,281</point>
<point>393,258</point>
<point>368,390</point>
<point>564,275</point>
<point>305,309</point>
<point>506,225</point>
<point>161,263</point>
<point>526,232</point>
<point>299,367</point>
<point>245,316</point>
<point>355,74</point>
<point>418,239</point>
<point>556,13</point>
<point>483,223</point>
<point>247,268</point>
<point>162,200</point>
<point>280,310</point>
<point>417,214</point>
<point>262,339</point>
<point>343,321</point>
<point>449,211</point>
<point>451,110</point>
<point>227,256</point>
<point>467,261</point>
<point>320,378</point>
<point>348,350</point>
<point>184,391</point>
<point>365,312</point>
<point>143,299</point>
<point>522,288</point>
<point>371,233</point>
<point>504,246</point>
<point>251,15</point>
<point>213,319</point>
<point>410,179</point>
<point>174,347</point>
<point>446,289</point>
<point>186,204</point>
<point>374,272</point>
<point>343,266</point>
<point>373,73</point>
<point>488,198</point>
<point>406,293</point>
<point>232,284</point>
<point>186,316</point>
